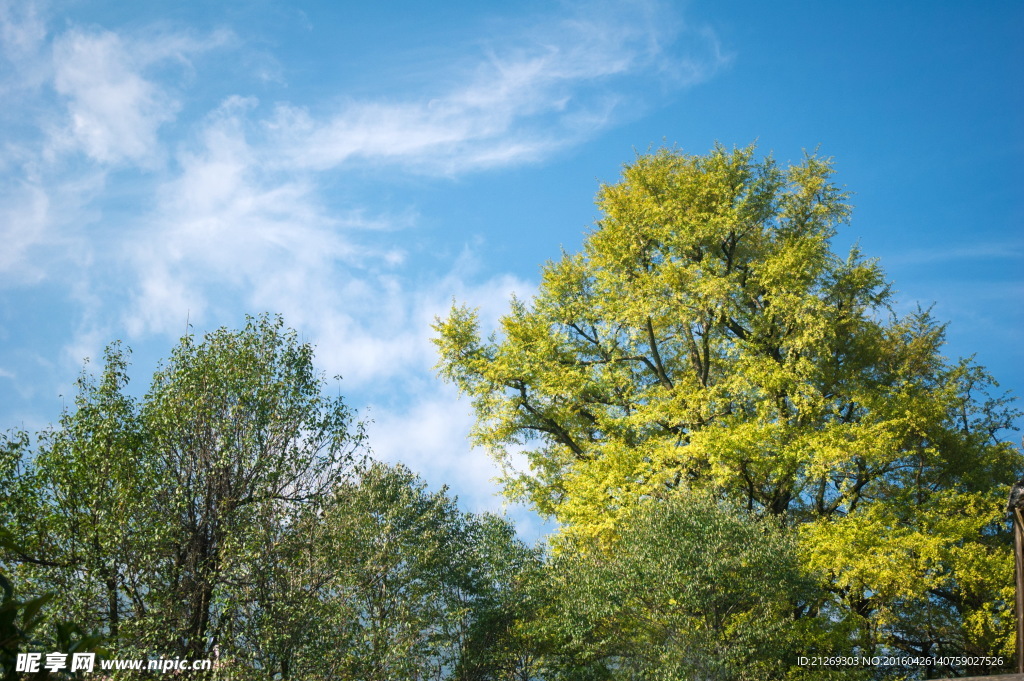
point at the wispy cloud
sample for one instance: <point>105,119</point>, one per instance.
<point>42,225</point>
<point>951,252</point>
<point>232,231</point>
<point>24,214</point>
<point>113,110</point>
<point>242,216</point>
<point>222,228</point>
<point>80,103</point>
<point>538,90</point>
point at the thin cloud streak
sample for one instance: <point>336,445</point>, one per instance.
<point>22,40</point>
<point>87,105</point>
<point>528,98</point>
<point>1007,250</point>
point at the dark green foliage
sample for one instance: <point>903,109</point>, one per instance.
<point>20,625</point>
<point>690,588</point>
<point>18,619</point>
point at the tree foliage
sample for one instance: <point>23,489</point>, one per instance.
<point>145,512</point>
<point>20,619</point>
<point>230,514</point>
<point>691,588</point>
<point>708,337</point>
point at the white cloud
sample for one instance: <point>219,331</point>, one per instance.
<point>540,87</point>
<point>232,231</point>
<point>24,70</point>
<point>428,431</point>
<point>114,110</point>
<point>23,221</point>
<point>430,437</point>
<point>42,220</point>
<point>221,227</point>
<point>79,90</point>
<point>553,86</point>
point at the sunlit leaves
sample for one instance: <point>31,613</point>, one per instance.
<point>707,337</point>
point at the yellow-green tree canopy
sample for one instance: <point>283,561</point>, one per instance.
<point>707,336</point>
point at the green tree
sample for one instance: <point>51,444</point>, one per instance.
<point>690,588</point>
<point>246,439</point>
<point>708,337</point>
<point>400,554</point>
<point>149,521</point>
<point>19,621</point>
<point>389,580</point>
<point>501,641</point>
<point>78,506</point>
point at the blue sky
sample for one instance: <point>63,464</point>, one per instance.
<point>357,167</point>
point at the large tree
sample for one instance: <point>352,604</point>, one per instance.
<point>708,336</point>
<point>429,583</point>
<point>246,440</point>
